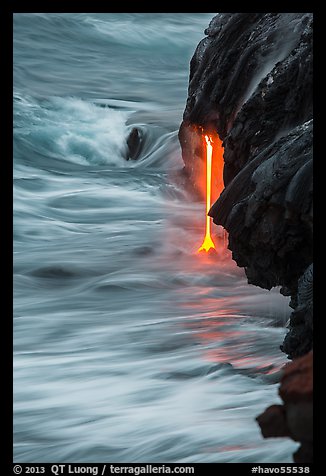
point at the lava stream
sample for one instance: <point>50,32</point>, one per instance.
<point>208,242</point>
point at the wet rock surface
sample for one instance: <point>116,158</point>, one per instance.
<point>134,144</point>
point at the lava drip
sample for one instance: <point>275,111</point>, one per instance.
<point>214,173</point>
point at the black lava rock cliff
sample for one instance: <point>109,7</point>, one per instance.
<point>251,82</point>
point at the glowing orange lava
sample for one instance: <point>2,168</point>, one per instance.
<point>208,243</point>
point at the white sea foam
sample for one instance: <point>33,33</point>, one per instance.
<point>73,129</point>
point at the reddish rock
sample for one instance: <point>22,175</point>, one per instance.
<point>273,422</point>
<point>297,380</point>
<point>295,417</point>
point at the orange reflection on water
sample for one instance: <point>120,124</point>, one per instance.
<point>223,338</point>
<point>222,355</point>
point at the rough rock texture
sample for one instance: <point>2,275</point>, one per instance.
<point>251,82</point>
<point>295,417</point>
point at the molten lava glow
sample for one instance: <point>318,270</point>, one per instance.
<point>208,242</point>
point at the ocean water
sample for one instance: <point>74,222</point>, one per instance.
<point>128,345</point>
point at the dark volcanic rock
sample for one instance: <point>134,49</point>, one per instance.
<point>251,82</point>
<point>295,417</point>
<point>273,422</point>
<point>134,143</point>
<point>299,340</point>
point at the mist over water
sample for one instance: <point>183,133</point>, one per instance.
<point>129,346</point>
